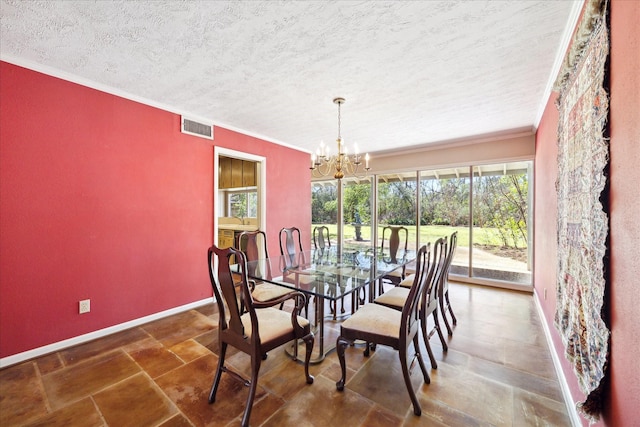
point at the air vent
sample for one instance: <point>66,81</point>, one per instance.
<point>195,128</point>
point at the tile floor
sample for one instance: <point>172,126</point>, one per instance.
<point>497,372</point>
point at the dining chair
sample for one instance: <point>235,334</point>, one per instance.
<point>321,237</point>
<point>258,330</point>
<point>254,246</point>
<point>394,238</point>
<point>290,246</point>
<point>396,297</point>
<point>321,241</point>
<point>443,288</point>
<point>376,324</point>
<point>292,255</point>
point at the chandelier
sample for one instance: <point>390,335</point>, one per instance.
<point>323,163</point>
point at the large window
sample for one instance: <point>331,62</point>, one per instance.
<point>487,205</point>
<point>500,219</point>
<point>356,211</point>
<point>397,204</point>
<point>324,207</point>
<point>444,208</point>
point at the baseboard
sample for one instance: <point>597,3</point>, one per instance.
<point>564,386</point>
<point>60,345</point>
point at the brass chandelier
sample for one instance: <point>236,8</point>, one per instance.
<point>341,164</point>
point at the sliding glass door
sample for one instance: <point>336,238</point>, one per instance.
<point>397,204</point>
<point>324,208</point>
<point>488,205</point>
<point>444,209</point>
<point>501,232</point>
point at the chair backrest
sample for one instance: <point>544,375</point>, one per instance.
<point>451,248</point>
<point>321,237</point>
<point>438,259</point>
<point>398,237</point>
<point>411,309</point>
<point>290,246</point>
<point>254,246</point>
<point>224,283</point>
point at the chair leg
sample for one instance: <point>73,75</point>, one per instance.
<point>216,381</point>
<point>443,308</point>
<point>341,345</point>
<point>453,316</point>
<point>407,380</point>
<point>362,299</point>
<point>307,358</point>
<point>255,368</point>
<point>425,338</point>
<point>367,348</point>
<point>423,368</point>
<point>445,347</point>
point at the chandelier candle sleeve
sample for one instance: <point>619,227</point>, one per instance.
<point>322,163</point>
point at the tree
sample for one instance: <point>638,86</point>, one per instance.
<point>501,202</point>
<point>323,204</point>
<point>357,199</point>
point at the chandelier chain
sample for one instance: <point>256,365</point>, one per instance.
<point>339,120</point>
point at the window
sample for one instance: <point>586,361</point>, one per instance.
<point>242,204</point>
<point>489,206</point>
<point>500,222</point>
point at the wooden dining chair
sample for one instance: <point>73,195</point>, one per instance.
<point>394,238</point>
<point>258,330</point>
<point>254,246</point>
<point>290,246</point>
<point>321,237</point>
<point>292,256</point>
<point>396,297</point>
<point>443,288</point>
<point>376,324</point>
<point>322,241</point>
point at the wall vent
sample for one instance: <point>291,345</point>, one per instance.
<point>195,128</point>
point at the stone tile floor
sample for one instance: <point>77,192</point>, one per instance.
<point>497,372</point>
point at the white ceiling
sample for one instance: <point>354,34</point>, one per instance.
<point>412,72</point>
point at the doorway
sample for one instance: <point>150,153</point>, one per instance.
<point>239,203</point>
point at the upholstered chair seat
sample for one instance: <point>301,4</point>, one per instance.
<point>376,319</point>
<point>272,324</point>
<point>269,291</point>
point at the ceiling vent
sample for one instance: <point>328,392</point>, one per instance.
<point>195,128</point>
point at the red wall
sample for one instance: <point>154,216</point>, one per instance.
<point>623,391</point>
<point>104,198</point>
<point>623,400</point>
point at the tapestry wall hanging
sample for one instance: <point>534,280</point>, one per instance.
<point>583,156</point>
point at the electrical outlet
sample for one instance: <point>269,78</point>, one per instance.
<point>85,306</point>
<point>545,293</point>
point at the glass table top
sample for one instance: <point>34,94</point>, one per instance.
<point>330,273</point>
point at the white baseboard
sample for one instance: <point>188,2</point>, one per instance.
<point>564,386</point>
<point>60,345</point>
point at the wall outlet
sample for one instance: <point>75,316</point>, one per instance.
<point>545,293</point>
<point>85,306</point>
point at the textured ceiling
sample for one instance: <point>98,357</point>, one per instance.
<point>412,73</point>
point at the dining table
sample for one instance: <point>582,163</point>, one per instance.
<point>329,274</point>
